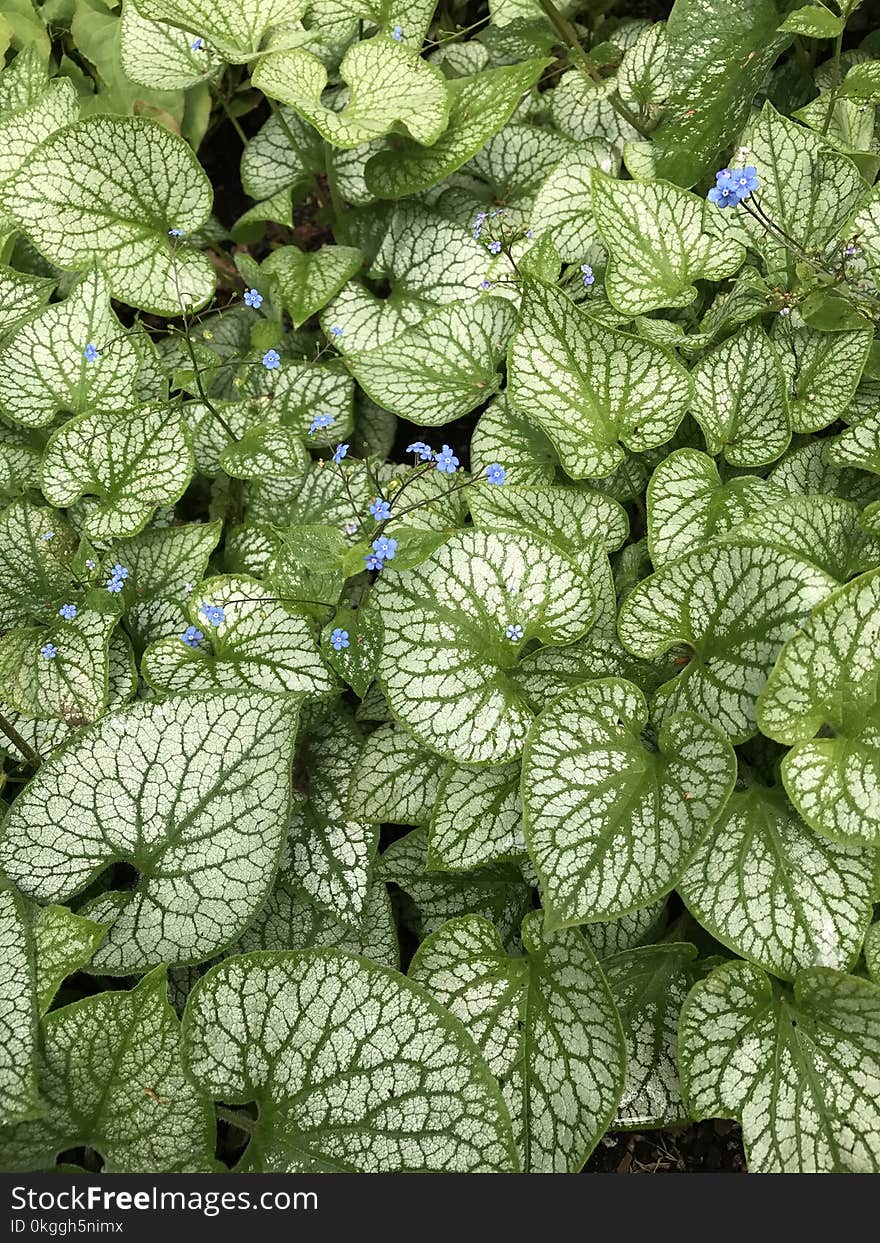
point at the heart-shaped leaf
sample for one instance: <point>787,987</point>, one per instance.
<point>63,942</point>
<point>209,768</point>
<point>307,280</point>
<point>160,56</point>
<point>823,370</point>
<point>827,675</point>
<point>69,682</point>
<point>825,530</point>
<point>454,628</point>
<point>425,1099</point>
<point>588,386</point>
<point>740,399</point>
<point>150,183</point>
<point>563,207</point>
<point>797,1071</point>
<point>237,27</point>
<point>394,779</point>
<point>734,606</point>
<point>477,818</point>
<point>267,449</point>
<point>612,821</point>
<point>572,517</point>
<point>19,1097</point>
<point>23,131</point>
<point>545,1023</point>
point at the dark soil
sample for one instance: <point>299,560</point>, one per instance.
<point>713,1147</point>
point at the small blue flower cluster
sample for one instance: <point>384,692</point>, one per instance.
<point>48,651</point>
<point>587,275</point>
<point>380,509</point>
<point>384,550</point>
<point>339,453</point>
<point>339,639</point>
<point>732,185</point>
<point>213,614</point>
<point>68,611</point>
<point>397,34</point>
<point>321,421</point>
<point>117,578</point>
<point>192,636</point>
<point>90,353</point>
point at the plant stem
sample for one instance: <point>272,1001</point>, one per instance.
<point>18,742</point>
<point>239,1120</point>
<point>835,83</point>
<point>568,34</point>
<point>195,363</point>
<point>233,121</point>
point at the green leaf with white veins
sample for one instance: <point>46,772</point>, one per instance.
<point>22,133</point>
<point>688,505</point>
<point>649,985</point>
<point>775,892</point>
<point>546,1025</point>
<point>162,57</point>
<point>658,243</point>
<point>394,779</point>
<point>827,676</point>
<point>307,280</point>
<point>259,645</point>
<point>824,529</point>
<point>797,1071</point>
<point>216,818</point>
<point>446,656</point>
<point>72,685</point>
<point>63,943</point>
<point>43,369</point>
<point>389,88</point>
<point>329,854</point>
<point>478,107</point>
<point>740,399</point>
<point>165,563</point>
<point>858,446</point>
<point>36,548</point>
<point>573,517</point>
<point>237,27</point>
<point>267,449</point>
<point>150,182</point>
<point>112,1080</point>
<point>19,1098</point>
<point>734,606</point>
<point>21,296</point>
<point>823,370</point>
<point>286,150</point>
<point>612,819</point>
<point>563,206</point>
<point>443,367</point>
<point>588,386</point>
<point>425,1099</point>
<point>477,818</point>
<point>131,461</point>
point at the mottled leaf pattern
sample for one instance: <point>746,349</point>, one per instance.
<point>740,399</point>
<point>19,1097</point>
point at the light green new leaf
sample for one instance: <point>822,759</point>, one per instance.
<point>160,56</point>
<point>799,1072</point>
<point>112,1080</point>
<point>823,370</point>
<point>417,1095</point>
<point>389,87</point>
<point>611,820</point>
<point>43,370</point>
<point>659,242</point>
<point>394,779</point>
<point>23,131</point>
<point>688,505</point>
<point>477,818</point>
<point>267,449</point>
<point>237,27</point>
<point>63,943</point>
<point>823,529</point>
<point>815,22</point>
<point>446,657</point>
<point>443,367</point>
<point>734,606</point>
<point>502,434</point>
<point>19,1097</point>
<point>766,886</point>
<point>478,107</point>
<point>193,792</point>
<point>588,386</point>
<point>149,181</point>
<point>649,985</point>
<point>71,686</point>
<point>329,852</point>
<point>307,280</point>
<point>132,461</point>
<point>740,399</point>
<point>546,1025</point>
<point>827,675</point>
<point>259,645</point>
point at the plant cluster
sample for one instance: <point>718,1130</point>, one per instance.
<point>440,600</point>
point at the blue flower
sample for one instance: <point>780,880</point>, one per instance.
<point>485,284</point>
<point>496,474</point>
<point>513,632</point>
<point>175,232</point>
<point>530,233</point>
<point>424,451</point>
<point>380,509</point>
<point>48,651</point>
<point>47,535</point>
<point>479,220</point>
<point>320,421</point>
<point>397,34</point>
<point>90,564</point>
<point>192,636</point>
<point>90,353</point>
<point>252,297</point>
<point>447,462</point>
<point>372,562</point>
<point>587,275</point>
<point>114,586</point>
<point>335,331</point>
<point>339,453</point>
<point>745,180</point>
<point>727,192</point>
<point>212,613</point>
<point>197,45</point>
<point>119,571</point>
<point>271,360</point>
<point>67,611</point>
<point>494,248</point>
<point>384,547</point>
<point>339,639</point>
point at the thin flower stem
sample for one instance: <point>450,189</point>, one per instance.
<point>190,349</point>
<point>18,742</point>
<point>835,84</point>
